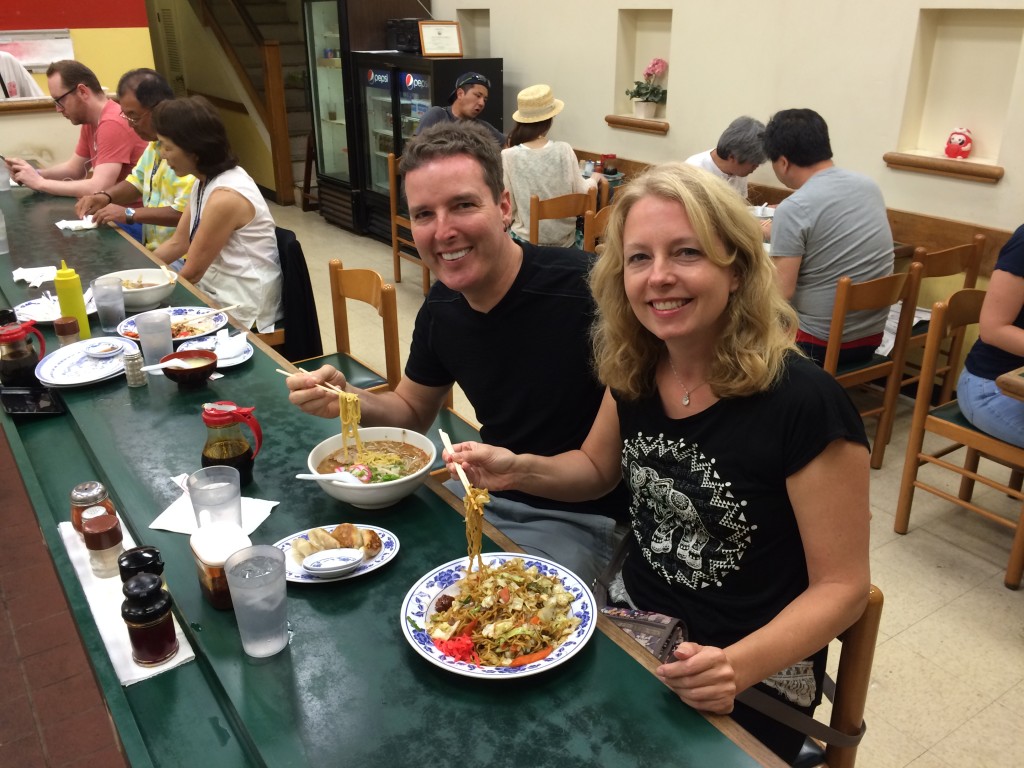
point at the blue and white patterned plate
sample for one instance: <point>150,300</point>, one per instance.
<point>72,366</point>
<point>293,568</point>
<point>419,602</point>
<point>46,310</point>
<point>206,325</point>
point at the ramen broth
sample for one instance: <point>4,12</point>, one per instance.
<point>386,460</point>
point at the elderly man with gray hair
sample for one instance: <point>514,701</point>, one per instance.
<point>738,154</point>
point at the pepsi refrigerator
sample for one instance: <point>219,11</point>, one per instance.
<point>394,91</point>
<point>334,28</point>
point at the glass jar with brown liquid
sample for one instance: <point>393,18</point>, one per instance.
<point>18,358</point>
<point>225,443</point>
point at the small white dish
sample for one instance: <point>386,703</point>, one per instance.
<point>295,573</point>
<point>332,562</point>
<point>104,349</point>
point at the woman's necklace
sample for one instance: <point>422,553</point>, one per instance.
<point>686,391</point>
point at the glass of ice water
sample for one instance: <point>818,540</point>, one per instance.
<point>216,495</point>
<point>256,578</point>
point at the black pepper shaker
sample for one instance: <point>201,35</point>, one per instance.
<point>147,613</point>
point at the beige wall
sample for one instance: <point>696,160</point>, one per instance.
<point>849,61</point>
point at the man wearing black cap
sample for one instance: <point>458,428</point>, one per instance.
<point>466,102</point>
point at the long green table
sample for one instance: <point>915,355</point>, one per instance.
<point>348,690</point>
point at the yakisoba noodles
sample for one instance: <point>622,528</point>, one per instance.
<point>506,615</point>
<point>473,503</point>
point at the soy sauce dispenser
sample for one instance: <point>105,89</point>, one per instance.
<point>18,358</point>
<point>225,443</point>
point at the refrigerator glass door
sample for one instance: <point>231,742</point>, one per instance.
<point>380,137</point>
<point>328,92</point>
<point>413,102</point>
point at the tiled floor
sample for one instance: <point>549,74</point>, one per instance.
<point>948,681</point>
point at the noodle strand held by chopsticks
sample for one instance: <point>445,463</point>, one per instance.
<point>473,502</point>
<point>349,413</point>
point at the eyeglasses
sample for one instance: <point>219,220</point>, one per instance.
<point>63,96</point>
<point>133,120</point>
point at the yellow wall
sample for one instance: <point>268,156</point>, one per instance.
<point>111,52</point>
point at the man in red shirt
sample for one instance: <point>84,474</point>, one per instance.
<point>107,148</point>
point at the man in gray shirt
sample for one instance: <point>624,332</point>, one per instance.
<point>466,102</point>
<point>834,224</point>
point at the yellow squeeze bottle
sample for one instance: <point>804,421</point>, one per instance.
<point>69,296</point>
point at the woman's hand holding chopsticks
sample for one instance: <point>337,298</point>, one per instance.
<point>485,466</point>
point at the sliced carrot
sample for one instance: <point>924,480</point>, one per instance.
<point>529,658</point>
<point>535,619</point>
<point>503,595</point>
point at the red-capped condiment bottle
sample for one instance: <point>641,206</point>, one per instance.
<point>225,443</point>
<point>103,539</point>
<point>147,613</point>
<point>91,493</point>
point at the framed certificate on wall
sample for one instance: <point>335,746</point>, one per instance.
<point>440,38</point>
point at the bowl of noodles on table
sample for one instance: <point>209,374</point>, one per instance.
<point>388,464</point>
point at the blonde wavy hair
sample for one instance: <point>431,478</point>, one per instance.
<point>761,326</point>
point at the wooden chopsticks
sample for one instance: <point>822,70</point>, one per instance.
<point>325,387</point>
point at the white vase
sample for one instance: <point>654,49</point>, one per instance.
<point>644,109</point>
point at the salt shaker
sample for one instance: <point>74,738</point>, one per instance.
<point>66,329</point>
<point>147,613</point>
<point>133,369</point>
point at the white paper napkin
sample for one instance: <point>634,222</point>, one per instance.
<point>34,276</point>
<point>229,346</point>
<point>179,517</point>
<point>75,225</point>
<point>105,598</point>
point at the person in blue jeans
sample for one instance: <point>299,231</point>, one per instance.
<point>999,348</point>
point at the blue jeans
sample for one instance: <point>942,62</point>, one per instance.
<point>987,408</point>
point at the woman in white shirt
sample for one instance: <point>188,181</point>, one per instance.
<point>535,165</point>
<point>227,229</point>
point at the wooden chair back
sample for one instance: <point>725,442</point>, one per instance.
<point>594,226</point>
<point>880,293</point>
<point>960,259</point>
<point>366,286</point>
<point>400,225</point>
<point>853,678</point>
<point>561,207</point>
<point>962,309</point>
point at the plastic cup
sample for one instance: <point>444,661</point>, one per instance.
<point>216,496</point>
<point>256,579</point>
<point>108,294</point>
<point>154,330</point>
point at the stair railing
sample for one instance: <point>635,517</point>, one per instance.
<point>221,15</point>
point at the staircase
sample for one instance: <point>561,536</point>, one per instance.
<point>281,21</point>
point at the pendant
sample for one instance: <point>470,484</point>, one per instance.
<point>686,399</point>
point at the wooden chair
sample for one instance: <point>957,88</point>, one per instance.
<point>880,293</point>
<point>960,259</point>
<point>303,337</point>
<point>561,207</point>
<point>594,226</point>
<point>366,286</point>
<point>963,308</point>
<point>402,247</point>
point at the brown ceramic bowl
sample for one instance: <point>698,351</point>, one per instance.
<point>203,362</point>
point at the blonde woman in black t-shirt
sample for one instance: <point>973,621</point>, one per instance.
<point>747,464</point>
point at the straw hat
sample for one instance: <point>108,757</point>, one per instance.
<point>537,103</point>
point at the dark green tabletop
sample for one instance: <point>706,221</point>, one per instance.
<point>348,690</point>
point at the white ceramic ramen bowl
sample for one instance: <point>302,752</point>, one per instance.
<point>374,495</point>
<point>159,286</point>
